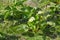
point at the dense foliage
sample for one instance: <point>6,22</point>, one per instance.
<point>21,19</point>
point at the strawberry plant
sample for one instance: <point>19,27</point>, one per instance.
<point>21,19</point>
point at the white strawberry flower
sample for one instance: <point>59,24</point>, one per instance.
<point>31,19</point>
<point>40,12</point>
